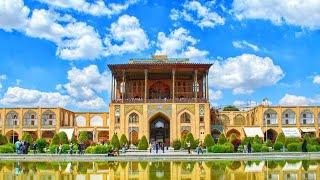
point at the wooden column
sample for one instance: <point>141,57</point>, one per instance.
<point>112,86</point>
<point>124,84</point>
<point>173,84</point>
<point>145,84</point>
<point>195,83</point>
<point>207,86</point>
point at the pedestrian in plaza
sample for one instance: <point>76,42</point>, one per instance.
<point>304,146</point>
<point>150,147</point>
<point>200,148</point>
<point>157,148</point>
<point>249,147</point>
<point>34,147</point>
<point>60,149</point>
<point>162,146</point>
<point>70,148</point>
<point>18,146</point>
<point>189,147</point>
<point>27,146</point>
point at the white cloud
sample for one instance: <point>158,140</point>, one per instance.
<point>240,103</point>
<point>244,45</point>
<point>179,44</point>
<point>215,95</point>
<point>74,40</point>
<point>244,73</point>
<point>293,100</point>
<point>2,77</point>
<point>16,96</point>
<point>304,13</point>
<point>13,14</point>
<point>85,83</point>
<point>198,14</point>
<point>96,103</point>
<point>96,8</point>
<point>125,36</point>
<point>316,79</point>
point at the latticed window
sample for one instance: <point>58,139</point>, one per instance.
<point>185,118</point>
<point>12,118</point>
<point>133,118</point>
<point>307,117</point>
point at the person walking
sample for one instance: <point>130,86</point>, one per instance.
<point>249,147</point>
<point>200,148</point>
<point>157,148</point>
<point>162,146</point>
<point>304,146</point>
<point>34,147</point>
<point>189,147</point>
<point>150,147</point>
<point>70,148</point>
<point>60,149</point>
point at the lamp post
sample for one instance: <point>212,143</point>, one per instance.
<point>265,102</point>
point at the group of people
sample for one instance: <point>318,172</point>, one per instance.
<point>22,147</point>
<point>199,148</point>
<point>157,146</point>
<point>80,147</point>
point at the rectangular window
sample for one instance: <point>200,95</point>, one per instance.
<point>201,119</point>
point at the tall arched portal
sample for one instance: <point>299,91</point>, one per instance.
<point>160,129</point>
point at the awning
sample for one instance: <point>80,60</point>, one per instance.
<point>254,167</point>
<point>253,131</point>
<point>308,129</point>
<point>292,166</point>
<point>291,132</point>
<point>69,132</point>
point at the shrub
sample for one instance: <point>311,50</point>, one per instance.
<point>55,140</point>
<point>89,149</point>
<point>221,148</point>
<point>83,137</point>
<point>312,148</point>
<point>291,140</point>
<point>281,138</point>
<point>176,144</point>
<point>195,144</point>
<point>208,140</point>
<point>73,139</point>
<point>101,149</point>
<point>268,143</point>
<point>65,148</point>
<point>246,140</point>
<point>264,148</point>
<point>257,140</point>
<point>256,147</point>
<point>123,140</point>
<point>63,138</point>
<point>115,142</point>
<point>235,141</point>
<point>228,147</point>
<point>189,138</point>
<point>41,144</point>
<point>277,146</point>
<point>27,137</point>
<point>53,148</point>
<point>7,148</point>
<point>294,147</point>
<point>222,139</point>
<point>3,139</point>
<point>143,143</point>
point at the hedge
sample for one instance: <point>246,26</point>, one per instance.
<point>143,143</point>
<point>27,137</point>
<point>41,144</point>
<point>123,140</point>
<point>55,140</point>
<point>208,140</point>
<point>264,148</point>
<point>294,147</point>
<point>176,144</point>
<point>221,148</point>
<point>63,138</point>
<point>99,149</point>
<point>277,146</point>
<point>115,142</point>
<point>256,147</point>
<point>7,148</point>
<point>312,148</point>
<point>83,137</point>
<point>222,139</point>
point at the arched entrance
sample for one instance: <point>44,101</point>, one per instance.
<point>270,134</point>
<point>133,137</point>
<point>160,129</point>
<point>12,136</point>
<point>215,134</point>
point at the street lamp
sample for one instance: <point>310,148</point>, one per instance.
<point>265,102</point>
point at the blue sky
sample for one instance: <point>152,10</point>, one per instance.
<point>55,52</point>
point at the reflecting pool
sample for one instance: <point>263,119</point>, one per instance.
<point>251,170</point>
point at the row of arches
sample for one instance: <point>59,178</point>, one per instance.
<point>289,117</point>
<point>30,118</point>
<point>238,120</point>
<point>95,121</point>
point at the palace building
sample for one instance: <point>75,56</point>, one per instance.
<point>163,99</point>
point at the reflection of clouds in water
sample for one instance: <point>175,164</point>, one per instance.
<point>68,168</point>
<point>160,174</point>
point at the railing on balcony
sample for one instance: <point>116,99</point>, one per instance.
<point>48,123</point>
<point>30,123</point>
<point>30,126</point>
<point>176,100</point>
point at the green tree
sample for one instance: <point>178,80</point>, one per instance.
<point>41,144</point>
<point>74,139</point>
<point>208,141</point>
<point>176,144</point>
<point>123,140</point>
<point>143,143</point>
<point>55,140</point>
<point>257,139</point>
<point>27,137</point>
<point>222,139</point>
<point>63,138</point>
<point>230,108</point>
<point>83,137</point>
<point>189,138</point>
<point>281,138</point>
<point>3,139</point>
<point>115,142</point>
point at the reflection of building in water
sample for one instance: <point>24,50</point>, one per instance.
<point>236,170</point>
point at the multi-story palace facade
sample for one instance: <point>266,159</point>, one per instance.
<point>162,99</point>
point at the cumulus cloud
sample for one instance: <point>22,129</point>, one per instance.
<point>198,14</point>
<point>125,36</point>
<point>96,8</point>
<point>16,96</point>
<point>13,14</point>
<point>179,44</point>
<point>240,103</point>
<point>304,13</point>
<point>316,79</point>
<point>215,95</point>
<point>294,100</point>
<point>243,74</point>
<point>245,45</point>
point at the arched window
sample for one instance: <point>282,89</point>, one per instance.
<point>96,121</point>
<point>30,118</point>
<point>133,118</point>
<point>270,117</point>
<point>288,117</point>
<point>306,117</point>
<point>239,120</point>
<point>225,119</point>
<point>81,121</point>
<point>185,118</point>
<point>12,119</point>
<point>48,118</point>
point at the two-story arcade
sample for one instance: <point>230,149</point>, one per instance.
<point>161,98</point>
